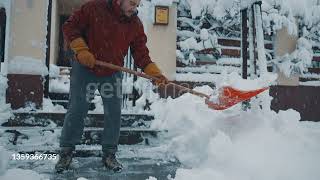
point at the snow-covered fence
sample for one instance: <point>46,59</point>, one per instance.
<point>204,39</point>
<point>253,45</point>
<point>229,48</point>
<point>130,94</point>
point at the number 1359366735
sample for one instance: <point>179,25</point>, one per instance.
<point>21,157</point>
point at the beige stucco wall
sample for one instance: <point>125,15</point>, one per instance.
<point>162,43</point>
<point>28,29</point>
<point>285,44</point>
<point>54,41</point>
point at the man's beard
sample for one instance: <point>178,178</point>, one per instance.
<point>123,12</point>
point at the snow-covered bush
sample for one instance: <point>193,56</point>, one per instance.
<point>200,25</point>
<point>222,19</point>
<point>298,61</point>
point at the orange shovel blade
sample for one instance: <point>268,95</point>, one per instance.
<point>229,96</point>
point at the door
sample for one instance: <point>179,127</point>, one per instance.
<point>3,19</point>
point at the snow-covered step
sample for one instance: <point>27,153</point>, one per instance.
<point>152,148</point>
<point>63,100</point>
<point>92,120</point>
<point>65,103</point>
<point>44,136</point>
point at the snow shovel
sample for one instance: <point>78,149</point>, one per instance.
<point>226,98</point>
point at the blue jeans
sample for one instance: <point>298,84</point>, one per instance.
<point>83,84</point>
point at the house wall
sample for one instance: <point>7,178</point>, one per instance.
<point>285,44</point>
<point>54,43</point>
<point>29,29</point>
<point>162,42</point>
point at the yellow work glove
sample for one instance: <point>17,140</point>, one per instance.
<point>153,70</point>
<point>83,55</point>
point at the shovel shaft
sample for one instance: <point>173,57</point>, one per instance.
<point>119,68</point>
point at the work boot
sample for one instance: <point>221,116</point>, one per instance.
<point>65,159</point>
<point>110,162</point>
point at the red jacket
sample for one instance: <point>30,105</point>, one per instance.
<point>108,34</point>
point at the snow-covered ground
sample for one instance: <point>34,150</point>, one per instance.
<point>224,145</point>
<point>234,144</point>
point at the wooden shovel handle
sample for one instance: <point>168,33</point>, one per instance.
<point>119,68</point>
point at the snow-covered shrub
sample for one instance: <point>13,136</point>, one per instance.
<point>222,19</point>
<point>298,61</point>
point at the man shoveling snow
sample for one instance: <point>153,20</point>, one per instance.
<point>104,30</point>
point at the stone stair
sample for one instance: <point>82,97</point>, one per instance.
<point>38,133</point>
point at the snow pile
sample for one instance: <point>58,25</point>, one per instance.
<point>298,61</point>
<point>5,109</point>
<point>27,65</point>
<point>59,85</point>
<point>48,106</point>
<point>239,145</point>
<point>237,82</point>
<point>236,144</point>
<point>54,71</point>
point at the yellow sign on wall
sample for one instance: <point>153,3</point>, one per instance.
<point>161,15</point>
